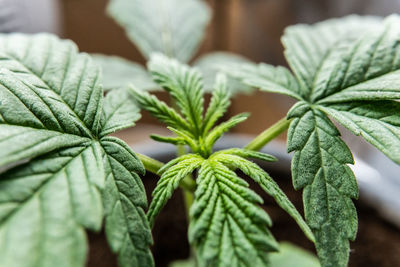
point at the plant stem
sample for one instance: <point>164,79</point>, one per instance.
<point>153,165</point>
<point>150,164</point>
<point>269,134</point>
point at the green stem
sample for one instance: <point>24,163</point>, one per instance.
<point>150,164</point>
<point>269,134</point>
<point>153,165</point>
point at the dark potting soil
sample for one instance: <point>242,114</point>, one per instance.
<point>377,243</point>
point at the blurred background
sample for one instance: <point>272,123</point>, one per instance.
<point>251,28</point>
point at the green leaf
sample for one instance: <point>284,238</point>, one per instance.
<point>50,94</point>
<point>218,105</point>
<point>291,255</point>
<point>173,27</point>
<point>363,69</point>
<point>246,153</point>
<point>50,117</point>
<point>320,166</point>
<point>119,72</point>
<point>227,227</point>
<point>219,130</point>
<point>184,84</point>
<point>119,111</point>
<point>266,77</point>
<point>212,63</point>
<point>264,180</point>
<point>172,174</point>
<point>45,206</point>
<point>378,122</point>
<point>306,46</point>
<point>124,198</point>
<point>348,69</point>
<point>160,110</point>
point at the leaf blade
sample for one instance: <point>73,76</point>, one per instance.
<point>175,32</point>
<point>119,112</point>
<point>53,206</point>
<point>320,165</point>
<point>221,228</point>
<point>126,225</point>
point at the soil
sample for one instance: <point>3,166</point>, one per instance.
<point>377,243</point>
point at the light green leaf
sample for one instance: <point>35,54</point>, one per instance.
<point>119,111</point>
<point>227,227</point>
<point>212,63</point>
<point>45,206</point>
<point>190,262</point>
<point>184,84</point>
<point>291,255</point>
<point>124,198</point>
<point>320,166</point>
<point>218,105</point>
<point>219,130</point>
<point>173,27</point>
<point>266,77</point>
<point>170,180</point>
<point>306,46</point>
<point>265,181</point>
<point>119,72</point>
<point>246,153</point>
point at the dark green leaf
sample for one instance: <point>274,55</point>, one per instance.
<point>51,106</point>
<point>320,166</point>
<point>124,198</point>
<point>45,206</point>
<point>119,111</point>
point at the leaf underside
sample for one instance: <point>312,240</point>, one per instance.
<point>52,125</point>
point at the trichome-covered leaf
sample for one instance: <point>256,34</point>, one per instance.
<point>126,225</point>
<point>348,69</point>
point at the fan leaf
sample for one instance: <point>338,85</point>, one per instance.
<point>50,126</point>
<point>159,26</point>
<point>227,227</point>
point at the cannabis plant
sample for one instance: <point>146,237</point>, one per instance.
<point>62,173</point>
<point>175,28</point>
